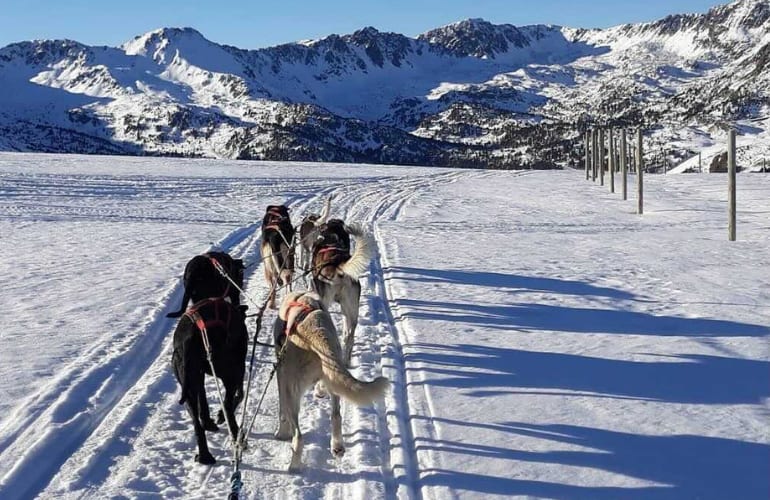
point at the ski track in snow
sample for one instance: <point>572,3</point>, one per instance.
<point>107,423</point>
<point>114,428</point>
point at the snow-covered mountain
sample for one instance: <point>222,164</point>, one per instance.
<point>467,94</point>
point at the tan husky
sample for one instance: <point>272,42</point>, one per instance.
<point>314,353</point>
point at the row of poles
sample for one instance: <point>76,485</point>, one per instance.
<point>606,150</point>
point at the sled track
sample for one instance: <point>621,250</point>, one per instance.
<point>42,436</point>
<point>117,428</point>
<point>104,465</point>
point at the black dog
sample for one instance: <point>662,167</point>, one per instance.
<point>277,248</point>
<point>225,327</point>
<point>202,280</point>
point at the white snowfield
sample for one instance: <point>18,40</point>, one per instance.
<point>542,339</point>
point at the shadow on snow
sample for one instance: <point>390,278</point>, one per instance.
<point>684,466</point>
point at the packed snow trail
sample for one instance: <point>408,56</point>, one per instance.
<point>544,345</point>
<point>96,458</point>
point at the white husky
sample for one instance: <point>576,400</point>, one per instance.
<point>313,353</point>
<point>336,272</point>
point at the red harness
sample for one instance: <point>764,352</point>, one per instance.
<point>306,309</point>
<point>331,249</point>
<point>222,314</point>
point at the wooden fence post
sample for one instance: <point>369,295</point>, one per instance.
<point>612,160</point>
<point>594,153</point>
<point>587,144</point>
<point>601,157</point>
<point>639,173</point>
<point>731,183</point>
<point>624,163</point>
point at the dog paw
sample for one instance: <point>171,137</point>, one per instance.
<point>295,468</point>
<point>282,435</point>
<point>338,451</point>
<point>205,459</point>
<point>209,426</point>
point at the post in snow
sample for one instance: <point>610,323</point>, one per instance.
<point>586,147</point>
<point>612,160</point>
<point>601,157</point>
<point>595,151</point>
<point>624,163</point>
<point>639,173</point>
<point>731,183</point>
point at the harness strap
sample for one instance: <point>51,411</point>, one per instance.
<point>218,265</point>
<point>278,229</point>
<point>218,320</point>
<point>332,249</point>
<point>305,310</point>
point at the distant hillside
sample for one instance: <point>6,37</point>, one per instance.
<point>468,94</point>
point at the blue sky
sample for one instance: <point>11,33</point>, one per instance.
<point>258,23</point>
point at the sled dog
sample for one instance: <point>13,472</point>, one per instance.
<point>313,353</point>
<point>308,232</point>
<point>225,328</point>
<point>277,248</point>
<point>202,280</point>
<point>336,272</point>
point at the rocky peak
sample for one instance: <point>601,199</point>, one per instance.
<point>476,38</point>
<point>44,52</point>
<point>381,47</point>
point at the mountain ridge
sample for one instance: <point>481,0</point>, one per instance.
<point>469,93</point>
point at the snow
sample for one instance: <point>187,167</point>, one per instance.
<point>543,340</point>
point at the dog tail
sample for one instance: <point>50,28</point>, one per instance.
<point>325,211</point>
<point>185,300</point>
<point>339,381</point>
<point>362,255</point>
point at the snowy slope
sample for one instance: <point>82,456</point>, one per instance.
<point>467,94</point>
<point>541,346</point>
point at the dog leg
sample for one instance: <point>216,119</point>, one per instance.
<point>230,404</point>
<point>269,279</point>
<point>205,416</point>
<point>284,430</point>
<point>296,441</point>
<point>349,303</point>
<point>203,456</point>
<point>337,446</point>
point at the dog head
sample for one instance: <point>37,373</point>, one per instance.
<point>331,249</point>
<point>275,214</point>
<point>334,233</point>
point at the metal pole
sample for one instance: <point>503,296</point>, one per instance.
<point>639,173</point>
<point>731,183</point>
<point>624,162</point>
